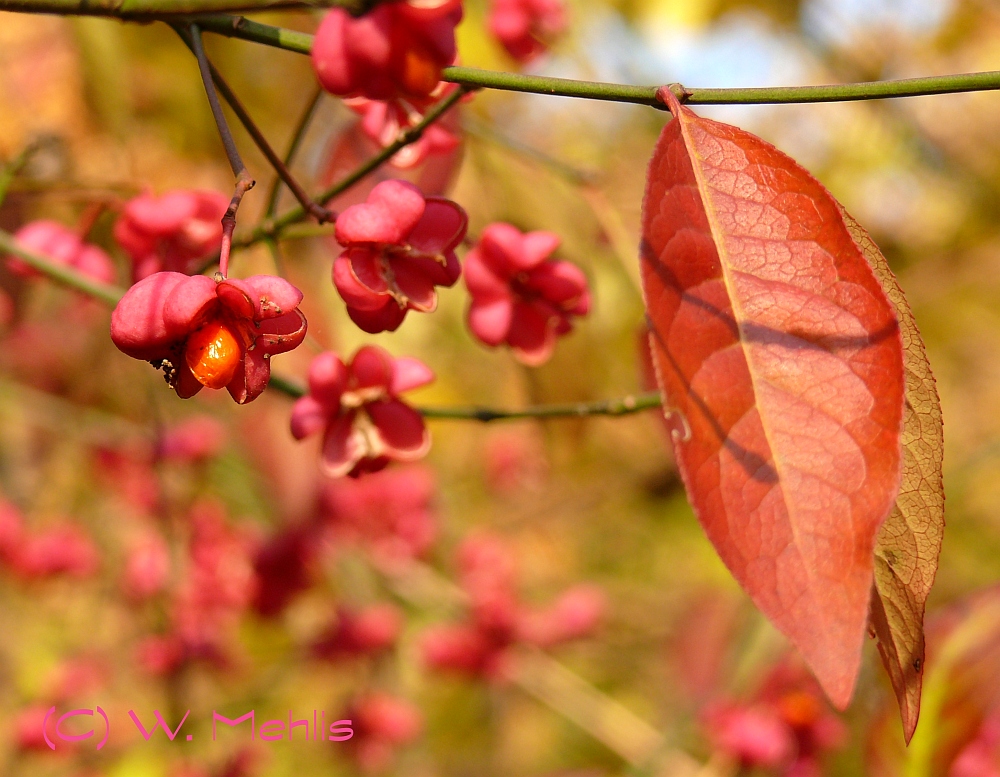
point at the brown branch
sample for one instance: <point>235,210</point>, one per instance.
<point>244,181</point>
<point>317,211</point>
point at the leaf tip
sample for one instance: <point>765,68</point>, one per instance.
<point>839,690</point>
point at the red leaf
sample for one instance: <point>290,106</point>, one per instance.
<point>777,347</point>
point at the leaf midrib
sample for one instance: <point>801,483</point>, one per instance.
<point>717,232</point>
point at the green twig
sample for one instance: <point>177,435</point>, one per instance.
<point>644,95</point>
<point>273,227</point>
<point>60,273</point>
<point>205,12</point>
<point>609,407</point>
<point>612,407</point>
<point>293,149</point>
<point>286,386</point>
<point>10,170</point>
<point>245,29</point>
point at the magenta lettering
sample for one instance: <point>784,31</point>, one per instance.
<point>217,717</point>
<point>159,722</point>
<point>341,731</point>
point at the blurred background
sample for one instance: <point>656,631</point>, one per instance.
<point>188,555</point>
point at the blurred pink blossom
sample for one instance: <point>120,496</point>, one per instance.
<point>357,407</point>
<point>127,470</point>
<point>981,756</point>
<point>384,120</point>
<point>216,587</point>
<point>282,565</point>
<point>498,620</point>
<point>359,632</point>
<point>172,231</point>
<point>752,736</point>
<point>61,245</point>
<point>520,296</point>
<point>389,512</point>
<point>382,723</point>
<point>575,614</point>
<point>27,728</point>
<point>194,439</point>
<point>62,549</point>
<point>514,461</point>
<point>787,725</point>
<point>526,28</point>
<point>147,566</point>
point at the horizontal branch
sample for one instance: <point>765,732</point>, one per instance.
<point>831,93</point>
<point>266,34</point>
<point>150,9</point>
<point>300,42</point>
<point>60,273</point>
<point>610,407</point>
<point>646,95</point>
<point>613,407</point>
<point>643,95</point>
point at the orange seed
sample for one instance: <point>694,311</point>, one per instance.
<point>213,355</point>
<point>421,73</point>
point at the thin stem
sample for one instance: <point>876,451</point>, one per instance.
<point>273,227</point>
<point>286,386</point>
<point>865,90</point>
<point>245,29</point>
<point>237,27</point>
<point>612,407</point>
<point>317,211</point>
<point>15,166</point>
<point>60,273</point>
<point>193,39</point>
<point>643,95</point>
<point>293,148</point>
<point>560,87</point>
<point>299,231</point>
<point>244,182</point>
<point>279,262</point>
<point>647,95</point>
<point>608,407</point>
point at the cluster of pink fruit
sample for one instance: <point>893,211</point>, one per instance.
<point>396,248</point>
